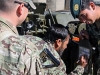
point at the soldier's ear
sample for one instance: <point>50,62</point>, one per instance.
<point>92,5</point>
<point>58,42</point>
<point>20,9</point>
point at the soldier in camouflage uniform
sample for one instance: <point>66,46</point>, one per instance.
<point>89,12</point>
<point>17,56</point>
<point>56,38</point>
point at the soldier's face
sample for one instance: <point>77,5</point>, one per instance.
<point>88,15</point>
<point>63,46</point>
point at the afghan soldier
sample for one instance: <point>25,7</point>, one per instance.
<point>56,41</point>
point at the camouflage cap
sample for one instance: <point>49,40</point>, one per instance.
<point>30,3</point>
<point>75,6</point>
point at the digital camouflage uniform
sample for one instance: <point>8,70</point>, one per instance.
<point>61,69</point>
<point>17,56</point>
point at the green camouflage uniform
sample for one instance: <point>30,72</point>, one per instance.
<point>61,69</point>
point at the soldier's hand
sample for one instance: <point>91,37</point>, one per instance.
<point>83,61</point>
<point>84,34</point>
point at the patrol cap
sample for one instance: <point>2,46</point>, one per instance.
<point>75,6</point>
<point>30,3</point>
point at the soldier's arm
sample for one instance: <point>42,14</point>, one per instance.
<point>79,70</point>
<point>31,59</point>
<point>10,56</point>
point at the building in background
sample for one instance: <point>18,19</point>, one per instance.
<point>42,1</point>
<point>55,5</point>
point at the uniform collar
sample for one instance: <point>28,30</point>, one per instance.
<point>9,24</point>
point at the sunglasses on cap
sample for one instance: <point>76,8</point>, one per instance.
<point>25,4</point>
